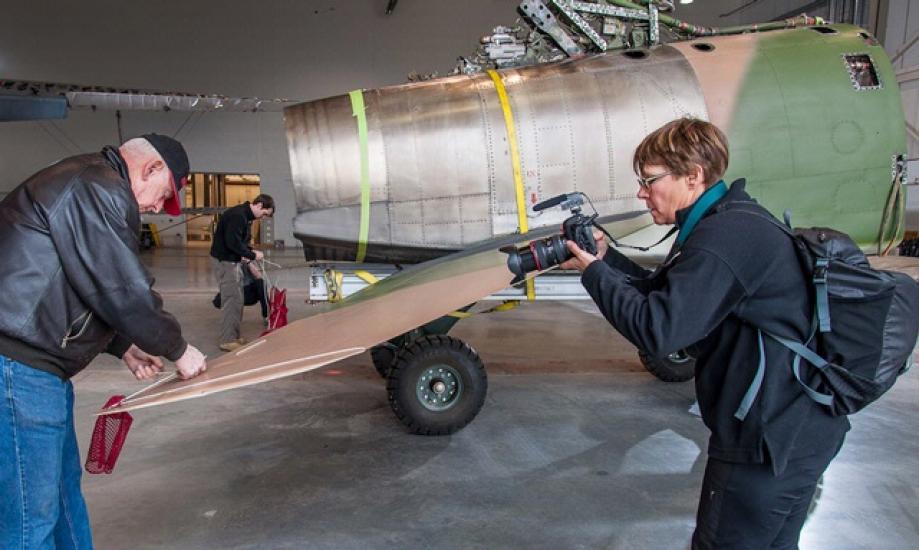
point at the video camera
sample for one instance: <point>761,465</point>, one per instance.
<point>542,254</point>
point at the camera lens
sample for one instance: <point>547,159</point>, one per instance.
<point>538,255</point>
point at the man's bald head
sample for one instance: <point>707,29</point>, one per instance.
<point>151,180</point>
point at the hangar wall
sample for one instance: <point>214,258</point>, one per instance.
<point>902,26</point>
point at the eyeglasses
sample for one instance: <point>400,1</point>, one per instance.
<point>646,183</point>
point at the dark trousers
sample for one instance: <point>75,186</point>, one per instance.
<point>748,506</point>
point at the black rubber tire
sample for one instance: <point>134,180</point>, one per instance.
<point>677,367</point>
<point>411,362</point>
<point>909,247</point>
<point>383,356</point>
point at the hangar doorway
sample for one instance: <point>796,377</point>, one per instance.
<point>208,194</point>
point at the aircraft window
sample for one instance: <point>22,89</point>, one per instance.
<point>704,47</point>
<point>824,30</point>
<point>635,54</point>
<point>862,72</point>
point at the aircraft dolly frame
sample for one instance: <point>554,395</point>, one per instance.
<point>437,383</point>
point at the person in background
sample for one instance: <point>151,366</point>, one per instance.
<point>229,247</point>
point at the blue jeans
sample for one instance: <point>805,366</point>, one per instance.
<point>41,505</point>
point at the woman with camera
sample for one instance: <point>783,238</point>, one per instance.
<point>727,274</point>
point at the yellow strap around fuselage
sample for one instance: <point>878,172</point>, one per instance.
<point>515,163</point>
<point>358,110</point>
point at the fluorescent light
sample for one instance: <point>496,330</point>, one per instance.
<point>685,1</point>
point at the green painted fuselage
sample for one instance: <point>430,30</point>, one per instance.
<point>809,139</point>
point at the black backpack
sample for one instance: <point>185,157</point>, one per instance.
<point>866,321</point>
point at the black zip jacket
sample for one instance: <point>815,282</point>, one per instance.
<point>72,279</point>
<point>733,272</point>
<point>231,238</point>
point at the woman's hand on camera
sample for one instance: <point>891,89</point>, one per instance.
<point>579,258</point>
<point>602,245</point>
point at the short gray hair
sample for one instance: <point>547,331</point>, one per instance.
<point>140,147</point>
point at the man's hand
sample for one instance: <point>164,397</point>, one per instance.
<point>259,255</point>
<point>579,259</point>
<point>191,363</point>
<point>141,363</point>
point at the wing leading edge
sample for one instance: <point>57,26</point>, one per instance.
<point>382,311</point>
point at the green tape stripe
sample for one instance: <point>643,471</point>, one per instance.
<point>359,111</point>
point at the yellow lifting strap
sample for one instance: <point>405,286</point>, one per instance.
<point>154,233</point>
<point>366,276</point>
<point>506,305</point>
<point>515,163</point>
<point>333,281</point>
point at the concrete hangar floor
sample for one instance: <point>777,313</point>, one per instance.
<point>577,447</point>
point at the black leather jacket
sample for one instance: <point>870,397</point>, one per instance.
<point>73,285</point>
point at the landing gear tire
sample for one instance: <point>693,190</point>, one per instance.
<point>383,356</point>
<point>676,367</point>
<point>437,385</point>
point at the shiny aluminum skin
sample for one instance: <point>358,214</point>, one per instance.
<point>440,166</point>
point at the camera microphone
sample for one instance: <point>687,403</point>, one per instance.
<point>549,203</point>
<point>541,254</point>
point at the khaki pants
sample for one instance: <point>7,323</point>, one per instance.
<point>231,299</point>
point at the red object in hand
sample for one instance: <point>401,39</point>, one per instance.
<point>277,309</point>
<point>108,437</point>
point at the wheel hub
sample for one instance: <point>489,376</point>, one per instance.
<point>439,387</point>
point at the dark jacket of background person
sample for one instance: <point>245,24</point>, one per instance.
<point>73,285</point>
<point>231,238</point>
<point>733,272</point>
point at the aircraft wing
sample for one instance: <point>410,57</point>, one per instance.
<point>391,307</point>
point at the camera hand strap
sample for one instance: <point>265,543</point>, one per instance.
<point>618,244</point>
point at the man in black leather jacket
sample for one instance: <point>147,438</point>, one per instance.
<point>73,287</point>
<point>727,274</point>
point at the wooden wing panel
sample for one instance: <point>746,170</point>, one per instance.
<point>382,311</point>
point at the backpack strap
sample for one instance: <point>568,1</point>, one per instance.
<point>802,351</point>
<point>753,390</point>
<point>820,264</point>
<point>822,293</point>
<point>754,209</point>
